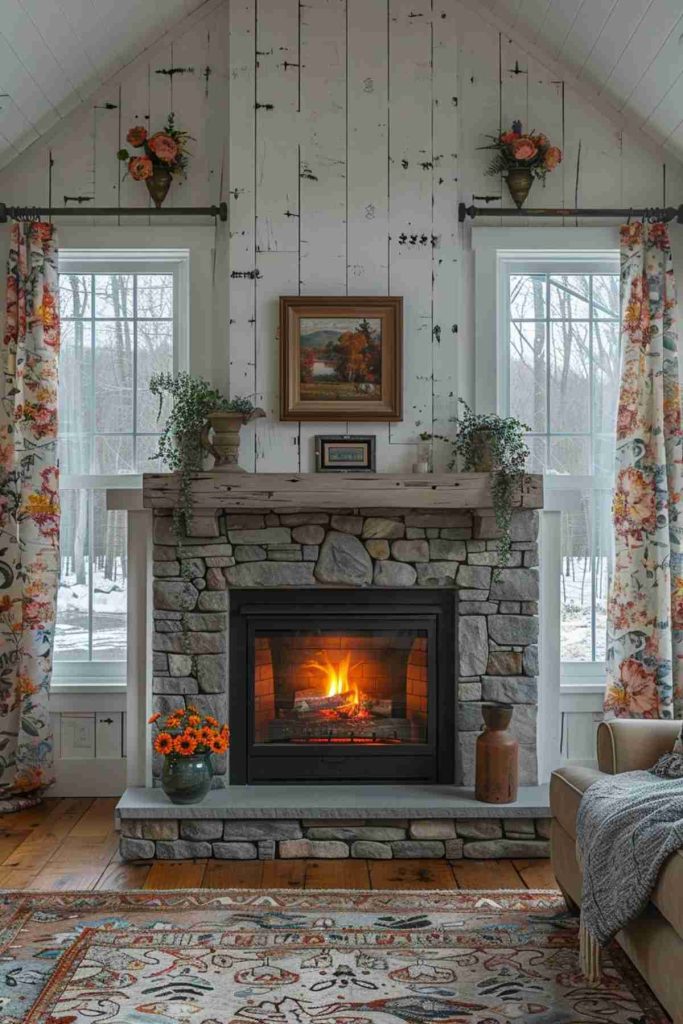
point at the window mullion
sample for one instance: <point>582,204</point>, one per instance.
<point>135,371</point>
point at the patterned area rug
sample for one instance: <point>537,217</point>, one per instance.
<point>311,957</point>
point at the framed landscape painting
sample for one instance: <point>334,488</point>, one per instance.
<point>341,358</point>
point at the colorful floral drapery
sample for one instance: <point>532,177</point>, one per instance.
<point>645,608</point>
<point>29,512</point>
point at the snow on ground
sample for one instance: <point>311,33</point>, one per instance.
<point>108,619</point>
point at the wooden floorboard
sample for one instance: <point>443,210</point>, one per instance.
<point>486,874</point>
<point>70,843</point>
<point>233,874</point>
<point>176,874</point>
<point>411,874</point>
<point>536,874</point>
<point>336,874</point>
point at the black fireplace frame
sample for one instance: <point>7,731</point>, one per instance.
<point>432,610</point>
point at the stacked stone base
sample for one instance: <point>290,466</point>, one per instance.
<point>363,839</point>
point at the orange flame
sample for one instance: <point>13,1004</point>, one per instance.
<point>337,677</point>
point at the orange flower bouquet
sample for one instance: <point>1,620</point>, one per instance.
<point>164,154</point>
<point>522,156</point>
<point>186,740</point>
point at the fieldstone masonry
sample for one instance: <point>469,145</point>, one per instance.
<point>362,839</point>
<point>498,617</point>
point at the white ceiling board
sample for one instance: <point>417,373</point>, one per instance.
<point>644,52</point>
<point>589,24</point>
<point>615,36</point>
<point>629,51</point>
<point>55,53</point>
<point>558,22</point>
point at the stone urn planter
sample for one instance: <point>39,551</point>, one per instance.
<point>497,757</point>
<point>221,436</point>
<point>483,459</point>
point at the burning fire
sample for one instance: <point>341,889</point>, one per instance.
<point>338,681</point>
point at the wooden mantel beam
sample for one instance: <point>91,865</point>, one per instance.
<point>288,491</point>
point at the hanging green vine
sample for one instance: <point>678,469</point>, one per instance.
<point>181,447</point>
<point>490,443</point>
<point>180,441</point>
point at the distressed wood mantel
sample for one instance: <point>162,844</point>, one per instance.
<point>288,491</point>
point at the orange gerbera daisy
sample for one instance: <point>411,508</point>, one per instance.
<point>163,744</point>
<point>206,735</point>
<point>154,718</point>
<point>192,733</point>
<point>194,720</point>
<point>212,721</point>
<point>184,744</point>
<point>219,745</point>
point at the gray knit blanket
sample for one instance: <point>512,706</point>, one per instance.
<point>626,828</point>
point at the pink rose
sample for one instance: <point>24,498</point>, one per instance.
<point>137,135</point>
<point>163,146</point>
<point>552,158</point>
<point>523,149</point>
<point>140,167</point>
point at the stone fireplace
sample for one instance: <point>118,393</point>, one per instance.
<point>363,568</point>
<point>377,551</point>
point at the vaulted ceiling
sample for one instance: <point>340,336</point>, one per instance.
<point>630,51</point>
<point>54,53</point>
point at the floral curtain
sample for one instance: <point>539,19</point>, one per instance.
<point>29,513</point>
<point>645,608</point>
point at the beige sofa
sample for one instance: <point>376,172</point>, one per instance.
<point>654,942</point>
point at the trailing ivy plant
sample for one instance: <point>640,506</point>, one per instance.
<point>180,442</point>
<point>181,449</point>
<point>496,444</point>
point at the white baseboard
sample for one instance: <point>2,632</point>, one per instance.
<point>89,776</point>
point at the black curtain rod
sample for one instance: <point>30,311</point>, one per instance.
<point>34,212</point>
<point>666,213</point>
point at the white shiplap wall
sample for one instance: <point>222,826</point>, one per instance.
<point>343,133</point>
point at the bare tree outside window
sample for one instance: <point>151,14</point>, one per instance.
<point>563,381</point>
<point>117,330</point>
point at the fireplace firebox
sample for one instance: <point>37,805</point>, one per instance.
<point>333,685</point>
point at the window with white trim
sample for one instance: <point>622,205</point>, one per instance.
<point>120,316</point>
<point>559,373</point>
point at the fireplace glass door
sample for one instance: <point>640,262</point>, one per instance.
<point>361,686</point>
<point>333,685</point>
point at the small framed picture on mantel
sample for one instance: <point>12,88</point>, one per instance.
<point>341,358</point>
<point>345,453</point>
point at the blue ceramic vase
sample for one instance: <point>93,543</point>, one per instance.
<point>186,780</point>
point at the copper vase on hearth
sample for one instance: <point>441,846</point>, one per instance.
<point>497,757</point>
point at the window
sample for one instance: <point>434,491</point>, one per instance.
<point>559,373</point>
<point>120,324</point>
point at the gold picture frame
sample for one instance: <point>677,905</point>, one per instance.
<point>341,358</point>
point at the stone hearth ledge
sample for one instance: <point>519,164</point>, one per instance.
<point>332,822</point>
<point>289,801</point>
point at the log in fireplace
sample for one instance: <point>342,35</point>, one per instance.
<point>339,685</point>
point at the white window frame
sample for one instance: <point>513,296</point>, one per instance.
<point>189,254</point>
<point>570,250</point>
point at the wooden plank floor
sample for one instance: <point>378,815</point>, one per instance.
<point>71,844</point>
